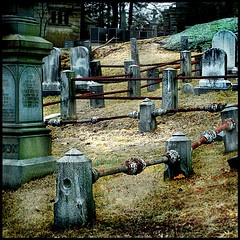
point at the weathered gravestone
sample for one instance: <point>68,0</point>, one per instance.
<point>227,41</point>
<point>79,64</point>
<point>26,142</point>
<point>51,73</point>
<point>214,63</point>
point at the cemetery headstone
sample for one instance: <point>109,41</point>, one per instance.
<point>187,88</point>
<point>80,65</point>
<point>227,41</point>
<point>51,73</point>
<point>214,63</point>
<point>152,73</point>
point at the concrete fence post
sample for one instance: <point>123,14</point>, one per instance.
<point>74,204</point>
<point>127,64</point>
<point>230,138</point>
<point>96,88</point>
<point>185,64</point>
<point>95,68</point>
<point>147,122</point>
<point>182,145</point>
<point>136,84</point>
<point>169,89</point>
<point>152,73</point>
<point>68,101</point>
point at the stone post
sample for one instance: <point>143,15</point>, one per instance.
<point>136,84</point>
<point>74,204</point>
<point>95,68</point>
<point>230,138</point>
<point>184,43</point>
<point>133,32</point>
<point>147,122</point>
<point>169,89</point>
<point>87,44</point>
<point>26,142</point>
<point>97,102</point>
<point>134,50</point>
<point>185,65</point>
<point>127,64</point>
<point>153,73</point>
<point>182,144</point>
<point>68,101</point>
<point>198,66</point>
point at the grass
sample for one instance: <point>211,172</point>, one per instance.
<point>205,205</point>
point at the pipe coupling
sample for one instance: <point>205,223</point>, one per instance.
<point>159,112</point>
<point>135,166</point>
<point>55,122</point>
<point>94,119</point>
<point>172,156</point>
<point>230,122</point>
<point>210,135</point>
<point>134,114</point>
<point>95,175</point>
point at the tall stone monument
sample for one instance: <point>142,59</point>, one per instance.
<point>26,142</point>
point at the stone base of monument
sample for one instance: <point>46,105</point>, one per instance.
<point>51,89</point>
<point>204,90</point>
<point>17,172</point>
<point>234,87</point>
<point>47,93</point>
<point>26,153</point>
<point>82,86</point>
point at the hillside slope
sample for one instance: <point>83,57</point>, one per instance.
<point>200,35</point>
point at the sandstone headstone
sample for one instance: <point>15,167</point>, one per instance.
<point>51,73</point>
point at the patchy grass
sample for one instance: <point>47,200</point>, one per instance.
<point>205,205</point>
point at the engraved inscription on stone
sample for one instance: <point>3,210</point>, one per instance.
<point>8,96</point>
<point>30,100</point>
<point>10,148</point>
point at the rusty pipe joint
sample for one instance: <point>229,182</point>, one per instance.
<point>135,166</point>
<point>94,119</point>
<point>159,112</point>
<point>172,156</point>
<point>231,124</point>
<point>134,114</point>
<point>55,122</point>
<point>209,135</point>
<point>215,107</point>
<point>95,175</point>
